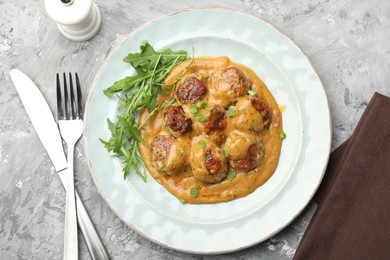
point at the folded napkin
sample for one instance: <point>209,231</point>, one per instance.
<point>352,220</point>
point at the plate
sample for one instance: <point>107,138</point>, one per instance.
<point>223,227</point>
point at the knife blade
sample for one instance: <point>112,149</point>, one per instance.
<point>43,121</point>
<point>40,115</point>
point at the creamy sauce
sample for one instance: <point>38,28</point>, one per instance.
<point>247,124</point>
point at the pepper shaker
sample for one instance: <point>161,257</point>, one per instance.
<point>77,20</point>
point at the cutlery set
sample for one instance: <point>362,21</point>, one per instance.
<point>70,124</point>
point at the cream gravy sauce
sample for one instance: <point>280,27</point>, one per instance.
<point>246,120</point>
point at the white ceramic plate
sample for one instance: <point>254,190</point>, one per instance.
<point>222,227</point>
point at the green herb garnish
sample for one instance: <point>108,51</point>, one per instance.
<point>202,144</point>
<point>231,111</point>
<point>193,109</point>
<point>231,175</point>
<point>282,135</point>
<point>201,105</point>
<point>137,92</point>
<point>201,117</point>
<point>194,192</point>
<point>225,152</point>
<point>251,92</point>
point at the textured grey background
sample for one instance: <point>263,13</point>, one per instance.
<point>348,42</point>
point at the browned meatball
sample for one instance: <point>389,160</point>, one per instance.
<point>176,120</point>
<point>253,158</point>
<point>236,79</point>
<point>246,118</point>
<point>208,163</point>
<point>160,150</point>
<point>169,155</point>
<point>214,164</point>
<point>216,120</point>
<point>227,85</point>
<point>260,106</point>
<point>191,91</point>
<point>246,150</point>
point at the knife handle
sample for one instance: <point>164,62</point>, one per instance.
<point>94,244</point>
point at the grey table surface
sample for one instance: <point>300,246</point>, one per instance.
<point>348,42</point>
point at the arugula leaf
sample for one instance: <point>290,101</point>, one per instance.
<point>125,84</point>
<point>148,57</point>
<point>138,91</point>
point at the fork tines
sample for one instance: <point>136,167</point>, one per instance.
<point>73,108</point>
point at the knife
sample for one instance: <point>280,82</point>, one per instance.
<point>43,121</point>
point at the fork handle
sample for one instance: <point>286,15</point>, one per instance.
<point>95,245</point>
<point>70,236</point>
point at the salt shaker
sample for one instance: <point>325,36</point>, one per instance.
<point>77,20</point>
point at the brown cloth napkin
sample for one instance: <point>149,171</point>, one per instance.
<point>352,220</point>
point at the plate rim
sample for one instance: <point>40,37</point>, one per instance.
<point>92,89</point>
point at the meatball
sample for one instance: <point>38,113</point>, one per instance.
<point>246,151</point>
<point>261,107</point>
<point>215,125</point>
<point>191,91</point>
<point>236,79</point>
<point>227,85</point>
<point>246,118</point>
<point>169,155</point>
<point>207,162</point>
<point>216,120</point>
<point>252,159</point>
<point>161,147</point>
<point>176,120</point>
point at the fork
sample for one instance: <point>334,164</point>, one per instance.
<point>70,114</point>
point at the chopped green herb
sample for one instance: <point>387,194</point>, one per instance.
<point>231,175</point>
<point>225,152</point>
<point>282,135</point>
<point>194,192</point>
<point>11,30</point>
<point>139,91</point>
<point>193,109</point>
<point>201,117</point>
<point>239,80</point>
<point>231,111</point>
<point>251,92</point>
<point>201,105</point>
<point>202,144</point>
